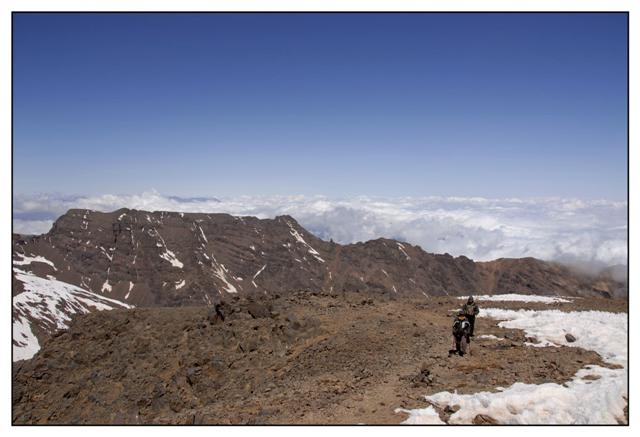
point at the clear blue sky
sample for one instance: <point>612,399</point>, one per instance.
<point>495,105</point>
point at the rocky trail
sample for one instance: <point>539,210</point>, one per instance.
<point>303,358</point>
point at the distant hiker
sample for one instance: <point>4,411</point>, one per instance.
<point>460,331</point>
<point>470,309</point>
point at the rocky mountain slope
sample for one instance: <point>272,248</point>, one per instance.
<point>127,258</point>
<point>304,357</point>
<point>176,259</point>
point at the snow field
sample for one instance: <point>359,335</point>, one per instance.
<point>595,395</point>
<point>519,298</point>
<point>53,302</point>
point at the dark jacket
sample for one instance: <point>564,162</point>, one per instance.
<point>470,309</point>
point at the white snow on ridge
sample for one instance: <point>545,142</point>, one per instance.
<point>204,237</point>
<point>131,284</point>
<point>51,302</point>
<point>301,240</point>
<point>104,252</point>
<point>259,271</point>
<point>28,260</point>
<point>171,257</point>
<point>168,255</point>
<point>401,247</point>
<point>180,284</point>
<point>598,399</point>
<point>220,272</point>
<point>519,298</point>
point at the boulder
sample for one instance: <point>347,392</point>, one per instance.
<point>483,419</point>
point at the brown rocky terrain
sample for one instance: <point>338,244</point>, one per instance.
<point>300,357</point>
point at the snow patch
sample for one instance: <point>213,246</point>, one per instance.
<point>129,292</point>
<point>180,284</point>
<point>521,298</point>
<point>259,271</point>
<point>221,271</point>
<point>28,260</point>
<point>583,400</point>
<point>300,240</point>
<point>25,343</point>
<point>401,247</point>
<point>489,337</point>
<point>580,402</point>
<point>104,252</point>
<point>602,332</point>
<point>204,237</point>
<point>424,416</point>
<point>51,303</point>
<point>171,257</point>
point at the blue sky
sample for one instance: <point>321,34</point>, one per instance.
<point>494,105</point>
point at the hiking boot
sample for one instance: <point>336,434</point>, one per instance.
<point>460,353</point>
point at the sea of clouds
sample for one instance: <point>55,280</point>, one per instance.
<point>589,234</point>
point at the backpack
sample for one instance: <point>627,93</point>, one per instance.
<point>460,327</point>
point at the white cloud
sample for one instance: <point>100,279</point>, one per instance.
<point>34,227</point>
<point>570,230</point>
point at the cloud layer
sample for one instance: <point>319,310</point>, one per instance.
<point>585,233</point>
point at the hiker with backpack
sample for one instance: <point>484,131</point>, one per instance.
<point>470,309</point>
<point>460,330</point>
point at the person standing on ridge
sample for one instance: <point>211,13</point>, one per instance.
<point>470,309</point>
<point>460,331</point>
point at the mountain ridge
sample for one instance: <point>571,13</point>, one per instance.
<point>102,251</point>
<point>174,259</point>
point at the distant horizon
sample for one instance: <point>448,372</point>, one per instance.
<point>202,195</point>
<point>492,105</point>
